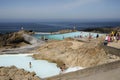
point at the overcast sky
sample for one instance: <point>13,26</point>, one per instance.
<point>46,10</point>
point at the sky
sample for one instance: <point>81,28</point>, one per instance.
<point>59,10</point>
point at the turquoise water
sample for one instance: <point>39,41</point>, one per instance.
<point>67,35</point>
<point>39,36</point>
<point>41,67</point>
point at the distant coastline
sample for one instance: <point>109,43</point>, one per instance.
<point>55,26</point>
<point>103,29</point>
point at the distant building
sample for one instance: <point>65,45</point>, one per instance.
<point>74,28</point>
<point>22,28</point>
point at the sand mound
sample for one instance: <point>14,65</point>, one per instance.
<point>75,53</point>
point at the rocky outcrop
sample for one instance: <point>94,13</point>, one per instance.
<point>76,53</point>
<point>14,40</point>
<point>12,73</point>
<point>18,42</point>
<point>31,39</point>
<point>103,30</point>
<point>64,31</point>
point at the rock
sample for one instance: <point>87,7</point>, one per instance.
<point>36,78</point>
<point>5,78</point>
<point>3,71</point>
<point>30,39</point>
<point>66,31</point>
<point>18,77</point>
<point>13,39</point>
<point>12,73</point>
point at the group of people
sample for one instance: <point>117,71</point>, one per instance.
<point>112,37</point>
<point>89,36</point>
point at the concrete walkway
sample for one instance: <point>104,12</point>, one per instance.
<point>114,44</point>
<point>113,74</point>
<point>110,71</point>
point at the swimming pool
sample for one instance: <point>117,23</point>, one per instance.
<point>67,35</point>
<point>42,68</point>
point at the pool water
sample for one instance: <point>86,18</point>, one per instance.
<point>67,35</point>
<point>42,68</point>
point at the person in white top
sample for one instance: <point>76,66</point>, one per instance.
<point>106,38</point>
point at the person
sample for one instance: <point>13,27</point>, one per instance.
<point>89,37</point>
<point>117,37</point>
<point>63,37</point>
<point>80,36</point>
<point>112,33</point>
<point>107,39</point>
<point>97,35</point>
<point>63,67</point>
<point>46,39</point>
<point>30,64</point>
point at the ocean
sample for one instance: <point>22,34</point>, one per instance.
<point>53,26</point>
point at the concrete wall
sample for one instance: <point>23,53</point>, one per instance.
<point>110,71</point>
<point>112,50</point>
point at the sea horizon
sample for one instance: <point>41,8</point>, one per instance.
<point>6,27</point>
